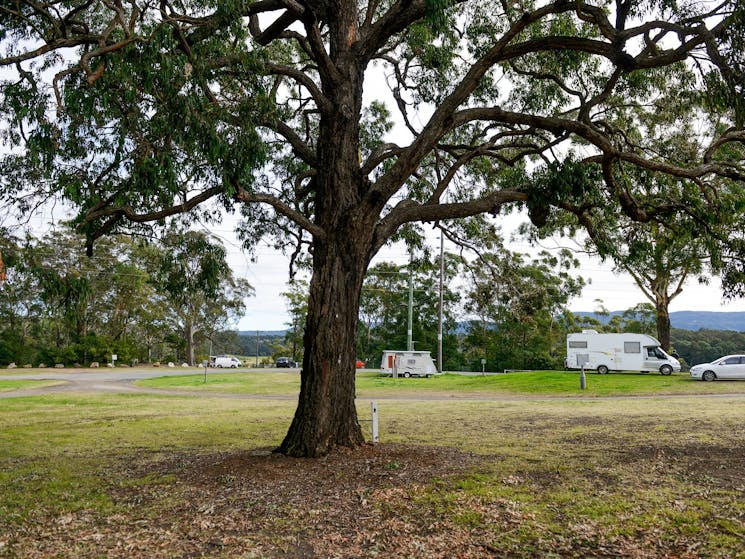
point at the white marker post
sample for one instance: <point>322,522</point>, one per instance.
<point>374,408</point>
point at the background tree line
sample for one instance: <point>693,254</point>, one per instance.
<point>150,301</point>
<point>505,308</point>
<point>176,299</point>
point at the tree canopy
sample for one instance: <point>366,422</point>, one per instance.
<point>134,112</point>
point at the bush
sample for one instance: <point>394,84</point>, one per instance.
<point>13,349</point>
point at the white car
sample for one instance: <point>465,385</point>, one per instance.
<point>727,367</point>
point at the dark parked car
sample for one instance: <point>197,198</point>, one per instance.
<point>285,362</point>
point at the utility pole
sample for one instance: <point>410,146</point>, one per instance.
<point>439,310</point>
<point>410,324</point>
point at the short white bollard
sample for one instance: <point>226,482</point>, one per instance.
<point>374,407</point>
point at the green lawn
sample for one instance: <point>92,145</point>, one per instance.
<point>11,385</point>
<point>164,476</point>
<point>548,383</point>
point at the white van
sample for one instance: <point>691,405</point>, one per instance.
<point>407,363</point>
<point>224,361</point>
<point>618,352</point>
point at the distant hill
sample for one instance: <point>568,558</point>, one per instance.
<point>684,320</point>
<point>263,333</point>
<point>693,320</point>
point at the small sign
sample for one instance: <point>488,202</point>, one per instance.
<point>114,356</point>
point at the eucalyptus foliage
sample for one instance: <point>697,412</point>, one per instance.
<point>142,302</point>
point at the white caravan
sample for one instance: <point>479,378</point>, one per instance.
<point>400,363</point>
<point>225,361</point>
<point>618,352</point>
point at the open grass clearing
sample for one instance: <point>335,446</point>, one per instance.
<point>53,371</point>
<point>154,476</point>
<point>11,385</point>
<point>541,383</point>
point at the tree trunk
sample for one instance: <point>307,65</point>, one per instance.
<point>326,415</point>
<point>189,335</point>
<point>663,323</point>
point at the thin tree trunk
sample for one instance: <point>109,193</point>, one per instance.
<point>189,334</point>
<point>663,323</point>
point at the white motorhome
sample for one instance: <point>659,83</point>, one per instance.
<point>400,363</point>
<point>618,352</point>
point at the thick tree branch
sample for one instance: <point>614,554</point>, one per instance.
<point>299,147</point>
<point>51,47</point>
<point>246,197</point>
<point>441,121</point>
<point>397,18</point>
<point>408,211</point>
<point>113,214</point>
<point>598,139</point>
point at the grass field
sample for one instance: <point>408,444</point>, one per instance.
<point>10,385</point>
<point>546,383</point>
<point>154,476</point>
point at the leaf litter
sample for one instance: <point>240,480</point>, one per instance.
<point>387,500</point>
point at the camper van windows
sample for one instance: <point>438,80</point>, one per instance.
<point>655,353</point>
<point>578,345</point>
<point>632,347</point>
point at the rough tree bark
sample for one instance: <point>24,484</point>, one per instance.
<point>326,415</point>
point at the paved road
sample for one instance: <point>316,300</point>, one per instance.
<point>108,380</point>
<point>122,381</point>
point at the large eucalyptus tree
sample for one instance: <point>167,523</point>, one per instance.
<point>134,111</point>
